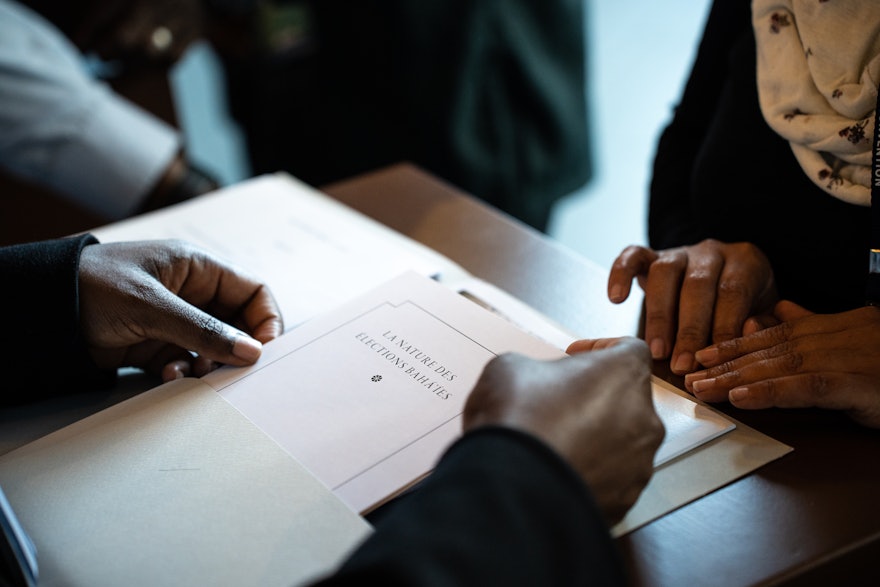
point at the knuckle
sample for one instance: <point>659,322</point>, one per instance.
<point>638,353</point>
<point>632,258</point>
<point>630,351</point>
<point>690,333</point>
<point>710,246</point>
<point>749,250</point>
<point>700,277</point>
<point>172,251</point>
<point>498,366</point>
<point>672,262</point>
<point>773,395</point>
<point>770,390</point>
<point>732,348</point>
<point>819,387</point>
<point>728,370</point>
<point>630,252</point>
<point>708,243</point>
<point>724,332</point>
<point>656,431</point>
<point>211,331</point>
<point>178,244</point>
<point>656,316</point>
<point>784,332</point>
<point>791,362</point>
<point>734,288</point>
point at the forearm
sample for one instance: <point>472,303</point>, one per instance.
<point>67,131</point>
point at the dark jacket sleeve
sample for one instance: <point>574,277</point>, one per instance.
<point>671,221</point>
<point>42,351</point>
<point>501,508</point>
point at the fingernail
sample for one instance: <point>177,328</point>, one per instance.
<point>707,355</point>
<point>175,370</point>
<point>616,293</point>
<point>690,378</point>
<point>738,394</point>
<point>701,385</point>
<point>658,348</point>
<point>683,363</point>
<point>247,348</point>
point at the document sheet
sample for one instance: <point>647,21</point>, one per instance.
<point>368,396</point>
<point>312,251</point>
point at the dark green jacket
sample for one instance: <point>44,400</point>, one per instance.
<point>487,94</point>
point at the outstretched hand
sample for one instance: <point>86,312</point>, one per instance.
<point>594,408</point>
<point>807,360</point>
<point>695,295</point>
<point>171,309</point>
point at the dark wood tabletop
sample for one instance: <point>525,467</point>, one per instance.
<point>809,518</point>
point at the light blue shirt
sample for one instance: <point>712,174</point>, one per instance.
<point>64,129</point>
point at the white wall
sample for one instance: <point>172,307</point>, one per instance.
<point>639,52</point>
<point>212,139</point>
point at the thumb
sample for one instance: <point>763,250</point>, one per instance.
<point>591,344</point>
<point>179,323</point>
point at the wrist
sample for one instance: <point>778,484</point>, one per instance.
<point>181,181</point>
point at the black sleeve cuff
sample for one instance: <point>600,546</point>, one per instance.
<point>43,352</point>
<point>501,508</point>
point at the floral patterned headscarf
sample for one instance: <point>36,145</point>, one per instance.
<point>818,72</point>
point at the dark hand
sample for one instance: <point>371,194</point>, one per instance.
<point>808,360</point>
<point>147,304</point>
<point>595,409</point>
<point>695,295</point>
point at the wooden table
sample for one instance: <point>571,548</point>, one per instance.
<point>809,518</point>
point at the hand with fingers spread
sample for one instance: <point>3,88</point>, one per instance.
<point>808,360</point>
<point>152,304</point>
<point>695,295</point>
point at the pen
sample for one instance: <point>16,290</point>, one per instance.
<point>18,556</point>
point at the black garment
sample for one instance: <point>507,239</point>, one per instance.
<point>489,95</point>
<point>721,172</point>
<point>42,351</point>
<point>501,508</point>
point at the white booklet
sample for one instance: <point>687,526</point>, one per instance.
<point>312,251</point>
<point>369,395</point>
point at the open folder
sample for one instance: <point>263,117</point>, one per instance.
<point>175,488</point>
